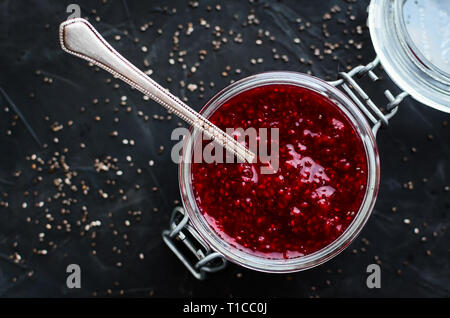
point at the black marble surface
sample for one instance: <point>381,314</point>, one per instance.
<point>47,86</point>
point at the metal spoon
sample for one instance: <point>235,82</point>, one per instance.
<point>79,37</point>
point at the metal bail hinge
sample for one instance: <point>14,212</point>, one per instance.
<point>182,238</point>
<point>362,100</point>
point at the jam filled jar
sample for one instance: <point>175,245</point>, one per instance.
<point>319,198</point>
<point>328,176</point>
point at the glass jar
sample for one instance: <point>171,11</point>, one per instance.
<point>251,260</point>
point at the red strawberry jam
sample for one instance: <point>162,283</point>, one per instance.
<point>317,190</point>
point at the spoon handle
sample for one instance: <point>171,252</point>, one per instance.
<point>78,37</point>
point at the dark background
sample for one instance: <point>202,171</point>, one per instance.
<point>43,226</point>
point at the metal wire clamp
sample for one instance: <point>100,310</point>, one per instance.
<point>374,113</point>
<point>202,259</point>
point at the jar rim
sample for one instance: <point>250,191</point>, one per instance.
<point>272,265</point>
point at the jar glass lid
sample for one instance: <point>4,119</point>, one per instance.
<point>412,40</point>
